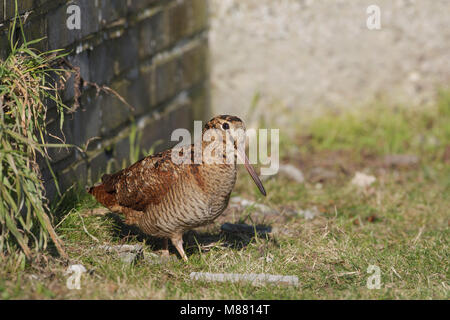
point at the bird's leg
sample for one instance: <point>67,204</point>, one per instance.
<point>177,241</point>
<point>165,250</point>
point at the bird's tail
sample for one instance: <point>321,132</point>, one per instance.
<point>101,195</point>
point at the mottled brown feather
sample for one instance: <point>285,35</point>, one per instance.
<point>163,198</point>
<point>145,182</point>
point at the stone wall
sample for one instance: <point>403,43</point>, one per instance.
<point>153,53</point>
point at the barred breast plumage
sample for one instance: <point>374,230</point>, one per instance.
<point>164,198</point>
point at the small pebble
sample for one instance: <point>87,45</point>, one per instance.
<point>254,279</point>
<point>290,172</point>
<point>241,202</point>
<point>362,180</point>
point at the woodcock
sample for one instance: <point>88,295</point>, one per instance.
<point>164,198</point>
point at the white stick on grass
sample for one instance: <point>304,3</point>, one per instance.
<point>253,278</point>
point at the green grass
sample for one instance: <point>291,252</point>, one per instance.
<point>385,130</point>
<point>399,224</point>
<point>26,88</point>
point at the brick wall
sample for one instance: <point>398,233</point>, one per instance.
<point>153,53</point>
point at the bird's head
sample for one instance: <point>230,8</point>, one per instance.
<point>226,124</point>
<point>231,129</point>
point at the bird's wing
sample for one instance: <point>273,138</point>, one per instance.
<point>144,183</point>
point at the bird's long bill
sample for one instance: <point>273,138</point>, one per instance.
<point>252,172</point>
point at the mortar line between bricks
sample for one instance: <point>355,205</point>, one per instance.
<point>199,35</point>
<point>181,32</point>
<point>49,6</point>
<point>161,107</point>
<point>35,12</point>
<point>181,46</point>
<point>131,20</point>
<point>178,49</point>
<point>125,129</point>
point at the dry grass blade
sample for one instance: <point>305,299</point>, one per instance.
<point>24,87</point>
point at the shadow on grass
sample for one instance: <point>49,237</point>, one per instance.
<point>234,236</point>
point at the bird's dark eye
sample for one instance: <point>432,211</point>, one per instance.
<point>225,126</point>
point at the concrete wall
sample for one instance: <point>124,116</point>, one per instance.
<point>309,57</point>
<point>153,53</point>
